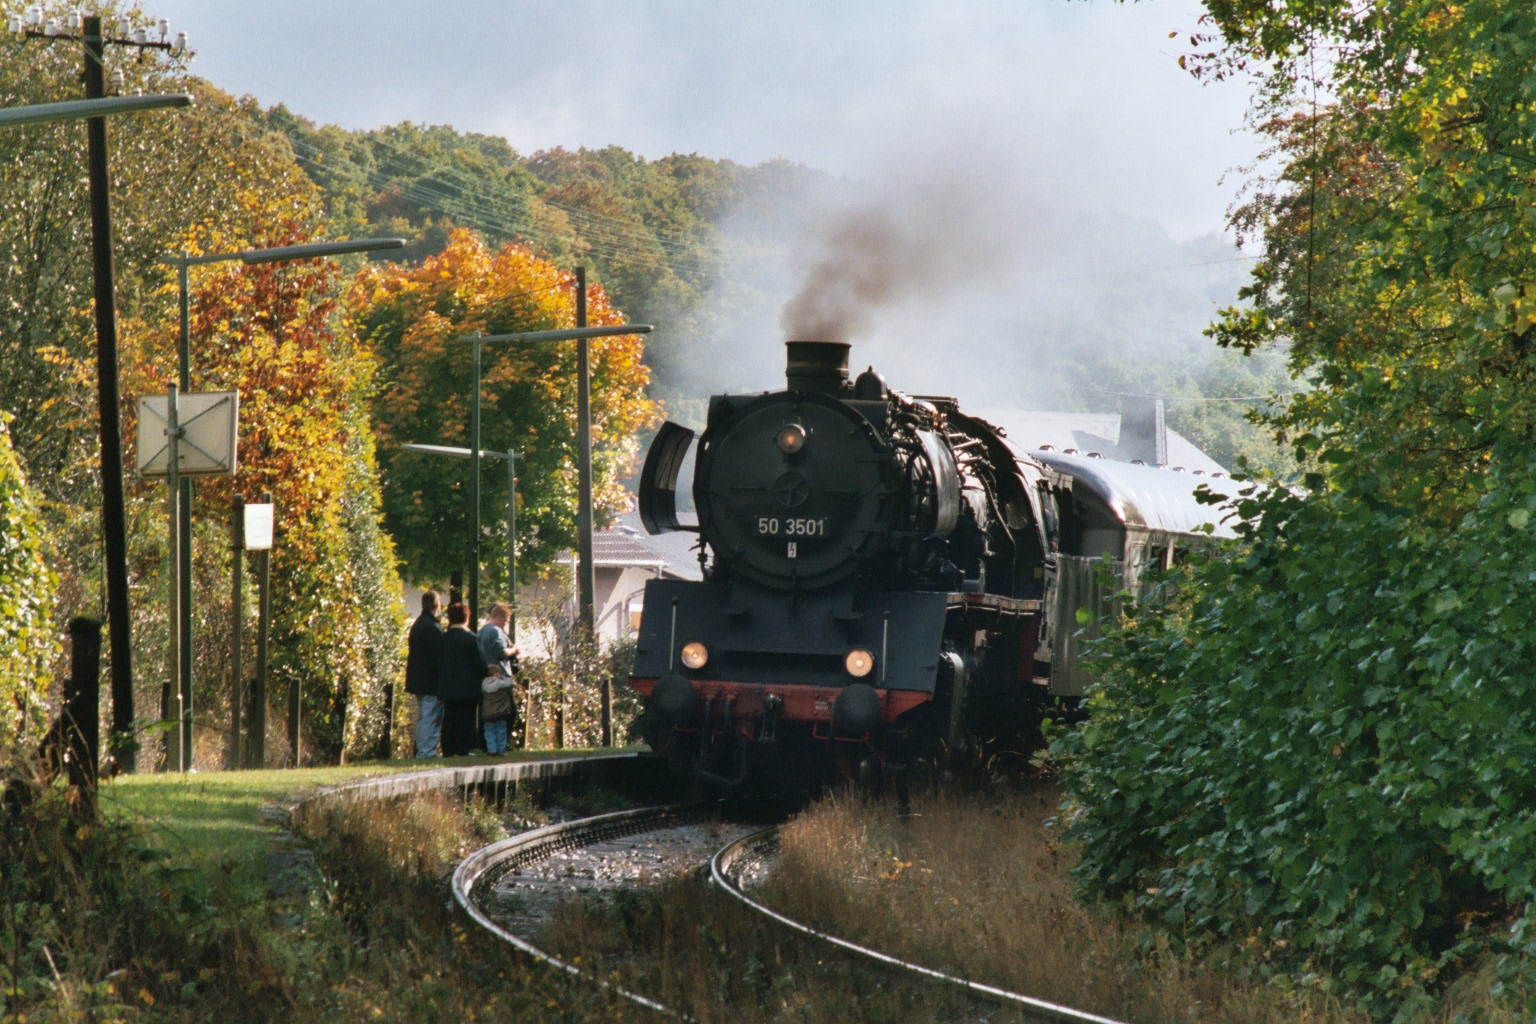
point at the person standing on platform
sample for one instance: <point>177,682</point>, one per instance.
<point>460,673</point>
<point>424,652</point>
<point>496,706</point>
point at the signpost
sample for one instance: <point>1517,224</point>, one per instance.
<point>257,536</point>
<point>183,436</point>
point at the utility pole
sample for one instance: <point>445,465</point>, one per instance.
<point>585,583</point>
<point>113,517</point>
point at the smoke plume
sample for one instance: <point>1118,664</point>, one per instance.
<point>922,240</point>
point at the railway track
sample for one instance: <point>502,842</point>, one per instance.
<point>511,886</point>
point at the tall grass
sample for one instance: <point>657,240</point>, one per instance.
<point>96,923</point>
<point>977,885</point>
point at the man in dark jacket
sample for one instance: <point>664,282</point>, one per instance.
<point>460,672</point>
<point>423,656</point>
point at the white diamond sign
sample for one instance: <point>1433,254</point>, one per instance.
<point>209,423</point>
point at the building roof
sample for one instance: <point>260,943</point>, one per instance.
<point>626,545</point>
<point>1089,432</point>
<point>679,551</point>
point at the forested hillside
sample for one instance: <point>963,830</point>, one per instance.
<point>709,251</point>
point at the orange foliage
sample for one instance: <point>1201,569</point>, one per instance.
<point>414,316</point>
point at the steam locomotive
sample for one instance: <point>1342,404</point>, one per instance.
<point>885,579</point>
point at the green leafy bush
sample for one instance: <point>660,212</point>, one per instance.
<point>1322,743</point>
<point>28,643</point>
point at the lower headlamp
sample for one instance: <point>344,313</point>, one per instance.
<point>859,662</point>
<point>695,655</point>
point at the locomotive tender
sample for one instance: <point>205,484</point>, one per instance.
<point>880,578</point>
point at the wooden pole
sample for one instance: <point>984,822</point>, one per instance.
<point>113,517</point>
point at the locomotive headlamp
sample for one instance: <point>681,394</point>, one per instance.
<point>790,438</point>
<point>859,663</point>
<point>695,655</point>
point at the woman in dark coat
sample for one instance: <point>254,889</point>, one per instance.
<point>459,676</point>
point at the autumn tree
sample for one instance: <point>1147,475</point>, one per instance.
<point>208,179</point>
<point>413,317</point>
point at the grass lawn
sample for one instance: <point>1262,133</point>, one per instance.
<point>211,822</point>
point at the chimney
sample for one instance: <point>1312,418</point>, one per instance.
<point>1143,433</point>
<point>819,366</point>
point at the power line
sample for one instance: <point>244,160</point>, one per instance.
<point>1176,398</point>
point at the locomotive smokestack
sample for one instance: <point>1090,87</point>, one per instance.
<point>820,366</point>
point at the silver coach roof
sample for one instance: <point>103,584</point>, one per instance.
<point>1148,496</point>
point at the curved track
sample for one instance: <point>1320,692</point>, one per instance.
<point>489,863</point>
<point>479,873</point>
<point>745,854</point>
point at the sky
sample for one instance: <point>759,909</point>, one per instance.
<point>1084,98</point>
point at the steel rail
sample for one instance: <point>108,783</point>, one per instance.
<point>495,859</point>
<point>1034,1009</point>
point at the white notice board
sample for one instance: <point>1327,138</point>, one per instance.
<point>258,527</point>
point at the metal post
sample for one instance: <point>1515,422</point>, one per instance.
<point>512,544</point>
<point>113,524</point>
<point>236,627</point>
<point>258,738</point>
<point>184,545</point>
<point>82,698</point>
<point>585,572</point>
<point>584,576</point>
<point>181,699</point>
<point>474,494</point>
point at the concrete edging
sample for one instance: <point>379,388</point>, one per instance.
<point>462,778</point>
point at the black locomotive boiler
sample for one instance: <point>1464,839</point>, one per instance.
<point>885,578</point>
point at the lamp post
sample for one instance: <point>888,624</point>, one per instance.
<point>96,108</point>
<point>583,431</point>
<point>511,458</point>
<point>586,596</point>
<point>181,567</point>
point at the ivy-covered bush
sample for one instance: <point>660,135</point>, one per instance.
<point>1322,743</point>
<point>28,640</point>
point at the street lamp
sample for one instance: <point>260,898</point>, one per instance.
<point>181,572</point>
<point>74,110</point>
<point>511,458</point>
<point>586,585</point>
<point>96,108</point>
<point>583,443</point>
